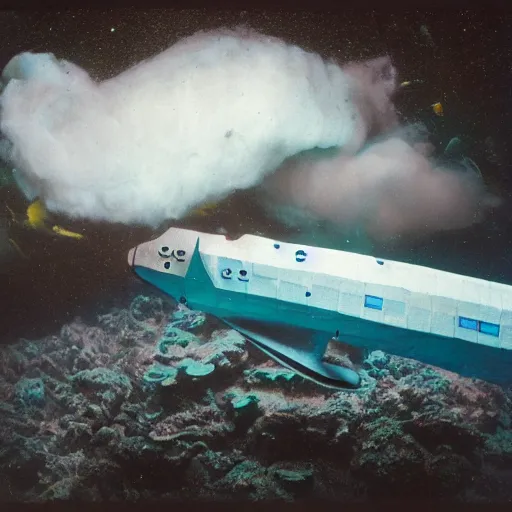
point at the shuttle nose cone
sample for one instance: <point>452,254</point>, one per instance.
<point>131,256</point>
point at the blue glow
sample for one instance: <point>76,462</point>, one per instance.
<point>370,301</point>
<point>468,323</point>
<point>488,328</point>
<point>483,327</point>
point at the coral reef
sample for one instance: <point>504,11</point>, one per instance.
<point>155,401</point>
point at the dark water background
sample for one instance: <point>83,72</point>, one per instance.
<point>464,58</point>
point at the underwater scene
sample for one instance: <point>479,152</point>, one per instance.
<point>255,256</point>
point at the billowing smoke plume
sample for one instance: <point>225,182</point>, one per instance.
<point>214,113</point>
<point>217,112</point>
<point>390,188</point>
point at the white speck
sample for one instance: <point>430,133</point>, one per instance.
<point>112,29</point>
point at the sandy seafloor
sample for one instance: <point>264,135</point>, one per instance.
<point>108,391</point>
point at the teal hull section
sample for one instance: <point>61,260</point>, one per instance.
<point>465,358</point>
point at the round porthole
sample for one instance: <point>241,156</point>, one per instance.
<point>226,273</point>
<point>300,256</point>
<point>164,252</point>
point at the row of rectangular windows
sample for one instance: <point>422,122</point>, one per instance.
<point>373,302</point>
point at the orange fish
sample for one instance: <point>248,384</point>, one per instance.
<point>438,108</point>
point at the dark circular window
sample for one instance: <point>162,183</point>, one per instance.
<point>164,252</point>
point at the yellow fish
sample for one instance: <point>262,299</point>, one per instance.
<point>438,108</point>
<point>64,232</point>
<point>36,218</point>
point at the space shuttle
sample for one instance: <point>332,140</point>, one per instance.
<point>292,300</point>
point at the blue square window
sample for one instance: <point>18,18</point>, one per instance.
<point>468,323</point>
<point>488,328</point>
<point>372,302</point>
